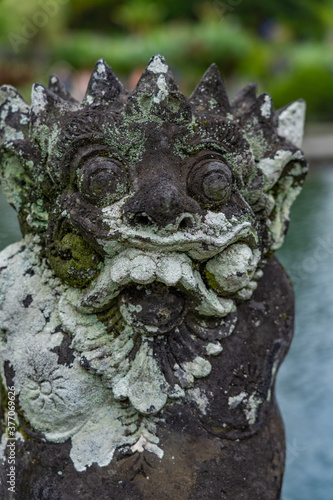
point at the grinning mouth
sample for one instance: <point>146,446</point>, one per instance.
<point>135,266</point>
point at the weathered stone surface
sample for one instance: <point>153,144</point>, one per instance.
<point>143,317</point>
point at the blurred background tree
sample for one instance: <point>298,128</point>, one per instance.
<point>286,45</point>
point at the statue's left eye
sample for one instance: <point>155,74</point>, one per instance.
<point>210,182</point>
<point>103,180</point>
<point>217,183</point>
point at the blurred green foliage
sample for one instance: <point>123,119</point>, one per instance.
<point>286,45</point>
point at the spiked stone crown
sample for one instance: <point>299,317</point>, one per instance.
<point>269,168</point>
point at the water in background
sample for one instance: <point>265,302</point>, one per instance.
<point>9,228</point>
<point>305,381</point>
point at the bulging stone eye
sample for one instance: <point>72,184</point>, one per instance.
<point>103,180</point>
<point>217,183</point>
<point>210,182</point>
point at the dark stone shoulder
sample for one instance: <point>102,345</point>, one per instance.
<point>240,387</point>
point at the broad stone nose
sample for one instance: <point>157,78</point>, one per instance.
<point>162,204</point>
<point>166,203</point>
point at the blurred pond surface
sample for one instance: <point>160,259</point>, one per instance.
<point>305,381</point>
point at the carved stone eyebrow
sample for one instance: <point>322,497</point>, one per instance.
<point>209,144</point>
<point>100,133</point>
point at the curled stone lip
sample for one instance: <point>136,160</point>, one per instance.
<point>136,266</point>
<point>200,244</point>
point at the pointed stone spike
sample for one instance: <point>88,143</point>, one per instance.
<point>41,98</point>
<point>157,93</point>
<point>14,115</point>
<point>10,95</point>
<point>59,89</point>
<point>210,93</point>
<point>245,98</point>
<point>157,65</point>
<point>291,122</point>
<point>156,79</point>
<point>103,85</point>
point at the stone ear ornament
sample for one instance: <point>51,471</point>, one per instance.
<point>143,304</point>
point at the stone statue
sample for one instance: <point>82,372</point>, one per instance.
<point>143,316</point>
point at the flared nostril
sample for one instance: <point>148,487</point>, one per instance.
<point>185,223</point>
<point>141,220</point>
<point>181,223</point>
<point>138,219</point>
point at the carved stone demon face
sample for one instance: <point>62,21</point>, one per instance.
<point>156,212</point>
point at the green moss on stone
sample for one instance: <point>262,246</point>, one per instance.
<point>211,281</point>
<point>74,261</point>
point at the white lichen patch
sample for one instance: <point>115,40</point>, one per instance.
<point>162,90</point>
<point>143,445</point>
<point>250,405</point>
<point>199,367</point>
<point>38,99</point>
<point>234,401</point>
<point>251,408</point>
<point>234,267</point>
<point>185,378</point>
<point>213,348</point>
<point>291,123</point>
<point>89,98</point>
<point>266,107</point>
<point>101,68</point>
<point>205,239</point>
<point>98,438</point>
<point>144,383</point>
<point>157,65</point>
<point>87,331</point>
<point>12,104</point>
<point>284,201</point>
<point>54,80</point>
<point>61,401</point>
<point>200,399</point>
<point>272,167</point>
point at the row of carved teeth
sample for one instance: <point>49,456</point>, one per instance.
<point>136,266</point>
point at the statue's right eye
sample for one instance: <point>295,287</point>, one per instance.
<point>103,180</point>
